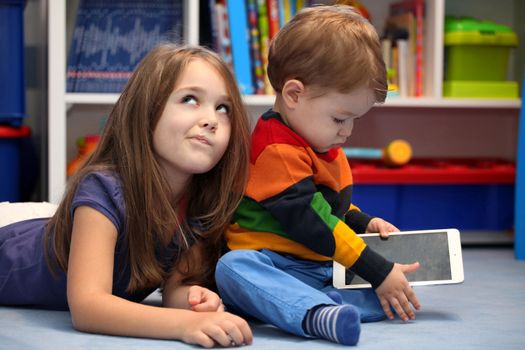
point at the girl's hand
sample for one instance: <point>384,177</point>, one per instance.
<point>204,300</point>
<point>396,292</point>
<point>378,225</point>
<point>208,329</point>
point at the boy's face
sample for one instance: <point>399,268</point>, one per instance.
<point>327,121</point>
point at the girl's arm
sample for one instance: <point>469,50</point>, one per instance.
<point>95,309</point>
<point>195,298</point>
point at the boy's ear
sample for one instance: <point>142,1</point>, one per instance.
<point>292,91</point>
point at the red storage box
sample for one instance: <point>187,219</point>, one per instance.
<point>468,194</point>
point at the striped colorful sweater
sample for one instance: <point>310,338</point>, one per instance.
<point>298,202</point>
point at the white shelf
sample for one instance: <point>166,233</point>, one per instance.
<point>451,103</point>
<point>268,100</point>
<point>91,98</point>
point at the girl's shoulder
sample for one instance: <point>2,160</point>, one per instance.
<point>106,178</point>
<point>102,190</point>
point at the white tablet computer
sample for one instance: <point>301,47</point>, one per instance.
<point>438,253</point>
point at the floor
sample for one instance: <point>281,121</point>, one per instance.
<point>487,311</point>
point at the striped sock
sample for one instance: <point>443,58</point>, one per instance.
<point>337,323</point>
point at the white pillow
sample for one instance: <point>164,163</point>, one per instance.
<point>14,212</point>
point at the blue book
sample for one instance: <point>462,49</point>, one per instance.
<point>111,37</point>
<point>282,21</point>
<point>240,42</point>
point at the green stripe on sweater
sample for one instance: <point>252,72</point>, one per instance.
<point>323,210</point>
<point>250,215</point>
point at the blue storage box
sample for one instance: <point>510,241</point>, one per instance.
<point>11,139</point>
<point>433,194</point>
<point>12,87</point>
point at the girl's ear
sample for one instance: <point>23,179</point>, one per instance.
<point>293,90</point>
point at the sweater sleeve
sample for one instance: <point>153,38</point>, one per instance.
<point>357,220</point>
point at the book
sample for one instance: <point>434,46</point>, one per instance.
<point>264,42</point>
<point>299,5</point>
<point>223,44</point>
<point>111,37</point>
<point>419,47</point>
<point>287,10</point>
<point>273,17</point>
<point>282,20</point>
<point>403,26</point>
<point>402,67</point>
<point>240,42</point>
<point>257,66</point>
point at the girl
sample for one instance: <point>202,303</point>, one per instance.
<point>147,210</point>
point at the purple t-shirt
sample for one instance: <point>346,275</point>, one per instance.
<point>25,278</point>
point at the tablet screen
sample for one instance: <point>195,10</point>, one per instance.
<point>430,249</point>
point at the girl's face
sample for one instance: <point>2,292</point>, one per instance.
<point>194,128</point>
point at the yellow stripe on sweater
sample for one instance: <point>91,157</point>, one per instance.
<point>349,246</point>
<point>238,238</point>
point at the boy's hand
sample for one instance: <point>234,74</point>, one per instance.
<point>396,292</point>
<point>204,300</point>
<point>378,225</point>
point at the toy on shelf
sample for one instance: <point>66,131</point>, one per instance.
<point>86,146</point>
<point>396,153</point>
<point>477,54</point>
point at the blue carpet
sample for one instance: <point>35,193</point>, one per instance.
<point>487,311</point>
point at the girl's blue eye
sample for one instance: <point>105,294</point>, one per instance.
<point>189,99</point>
<point>338,121</point>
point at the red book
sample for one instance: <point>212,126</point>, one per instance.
<point>273,17</point>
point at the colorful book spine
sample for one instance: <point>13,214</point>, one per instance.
<point>273,17</point>
<point>287,10</point>
<point>419,47</point>
<point>257,66</point>
<point>223,33</point>
<point>282,20</point>
<point>299,5</point>
<point>240,39</point>
<point>265,42</point>
<point>292,8</point>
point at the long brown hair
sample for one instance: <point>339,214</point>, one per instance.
<point>330,47</point>
<point>126,147</point>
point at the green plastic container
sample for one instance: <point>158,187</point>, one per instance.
<point>480,89</point>
<point>477,50</point>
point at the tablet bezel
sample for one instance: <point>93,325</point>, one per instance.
<point>456,261</point>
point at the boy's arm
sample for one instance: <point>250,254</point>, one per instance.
<point>357,220</point>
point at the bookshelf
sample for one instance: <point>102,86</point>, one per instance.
<point>62,105</point>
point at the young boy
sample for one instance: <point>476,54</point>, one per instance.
<point>326,68</point>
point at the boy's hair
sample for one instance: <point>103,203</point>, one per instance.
<point>126,147</point>
<point>330,47</point>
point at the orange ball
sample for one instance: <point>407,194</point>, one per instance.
<point>398,152</point>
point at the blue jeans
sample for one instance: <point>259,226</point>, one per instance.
<point>280,289</point>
